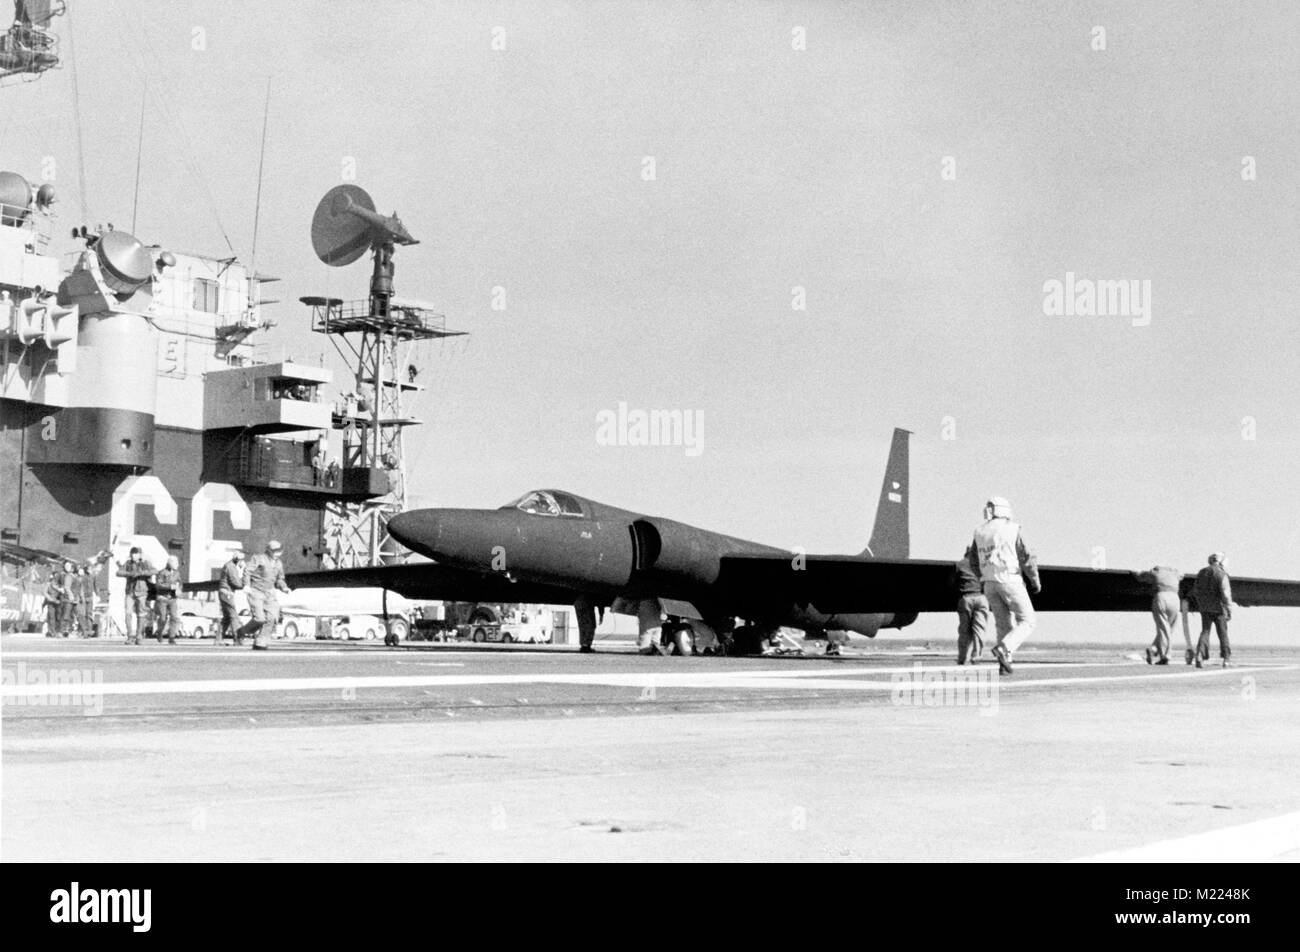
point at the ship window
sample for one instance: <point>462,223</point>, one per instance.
<point>207,296</point>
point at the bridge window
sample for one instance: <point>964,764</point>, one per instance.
<point>207,296</point>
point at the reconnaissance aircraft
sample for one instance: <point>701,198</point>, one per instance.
<point>557,548</point>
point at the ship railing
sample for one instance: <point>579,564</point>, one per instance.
<point>341,317</point>
<point>22,217</point>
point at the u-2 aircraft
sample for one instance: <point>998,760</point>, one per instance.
<point>558,548</point>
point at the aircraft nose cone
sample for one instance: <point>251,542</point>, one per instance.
<point>418,530</point>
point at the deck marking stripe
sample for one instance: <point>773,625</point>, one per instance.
<point>629,680</point>
<point>1245,843</point>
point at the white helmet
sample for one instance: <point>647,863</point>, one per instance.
<point>997,507</point>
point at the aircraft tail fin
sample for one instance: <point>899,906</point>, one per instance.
<point>890,537</point>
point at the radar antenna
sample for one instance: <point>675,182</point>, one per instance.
<point>380,333</point>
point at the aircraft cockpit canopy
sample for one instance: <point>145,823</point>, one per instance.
<point>546,502</point>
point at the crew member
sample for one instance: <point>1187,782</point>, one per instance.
<point>1165,604</point>
<point>972,611</point>
<point>86,604</point>
<point>167,587</point>
<point>137,573</point>
<point>91,591</point>
<point>53,600</point>
<point>1185,601</point>
<point>69,599</point>
<point>1213,594</point>
<point>263,578</point>
<point>231,581</point>
<point>96,596</point>
<point>1009,573</point>
<point>585,610</point>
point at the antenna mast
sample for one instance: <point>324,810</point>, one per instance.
<point>380,333</point>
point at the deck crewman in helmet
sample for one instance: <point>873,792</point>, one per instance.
<point>1009,574</point>
<point>263,577</point>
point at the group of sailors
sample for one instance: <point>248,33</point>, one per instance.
<point>70,597</point>
<point>261,579</point>
<point>152,597</point>
<point>998,575</point>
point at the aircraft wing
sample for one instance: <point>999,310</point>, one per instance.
<point>1264,591</point>
<point>428,581</point>
<point>850,584</point>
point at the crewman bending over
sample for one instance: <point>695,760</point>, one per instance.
<point>1164,609</point>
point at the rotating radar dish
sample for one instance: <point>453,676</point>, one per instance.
<point>126,265</point>
<point>339,236</point>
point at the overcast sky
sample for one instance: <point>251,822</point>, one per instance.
<point>775,168</point>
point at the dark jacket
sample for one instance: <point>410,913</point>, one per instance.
<point>137,573</point>
<point>968,580</point>
<point>54,588</point>
<point>168,583</point>
<point>1213,592</point>
<point>232,577</point>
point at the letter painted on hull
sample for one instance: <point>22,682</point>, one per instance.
<point>207,553</point>
<point>136,491</point>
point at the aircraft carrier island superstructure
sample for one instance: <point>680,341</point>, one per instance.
<point>137,409</point>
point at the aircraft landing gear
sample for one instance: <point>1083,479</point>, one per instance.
<point>749,640</point>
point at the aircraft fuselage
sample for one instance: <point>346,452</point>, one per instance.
<point>608,554</point>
